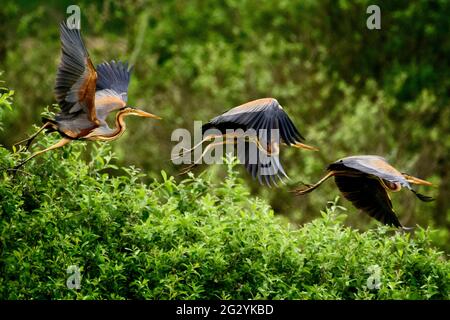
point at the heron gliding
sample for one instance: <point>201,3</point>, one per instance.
<point>365,181</point>
<point>263,115</point>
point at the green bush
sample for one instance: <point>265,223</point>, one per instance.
<point>197,239</point>
<point>349,90</point>
<point>5,101</point>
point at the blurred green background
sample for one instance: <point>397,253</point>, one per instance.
<point>348,89</point>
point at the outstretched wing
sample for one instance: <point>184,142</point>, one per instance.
<point>258,114</point>
<point>376,166</point>
<point>270,124</point>
<point>114,76</point>
<point>368,194</point>
<point>76,76</point>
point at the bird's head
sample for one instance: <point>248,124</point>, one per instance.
<point>131,111</point>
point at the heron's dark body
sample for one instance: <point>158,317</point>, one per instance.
<point>358,178</point>
<point>365,181</point>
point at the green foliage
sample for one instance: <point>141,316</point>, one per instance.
<point>196,239</point>
<point>349,90</point>
<point>5,101</point>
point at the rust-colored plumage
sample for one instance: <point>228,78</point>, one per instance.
<point>365,181</point>
<point>86,96</point>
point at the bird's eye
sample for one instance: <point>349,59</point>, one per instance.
<point>391,185</point>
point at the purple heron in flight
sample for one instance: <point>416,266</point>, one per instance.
<point>365,181</point>
<point>86,96</point>
<point>270,125</point>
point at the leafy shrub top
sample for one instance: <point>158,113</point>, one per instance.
<point>195,239</point>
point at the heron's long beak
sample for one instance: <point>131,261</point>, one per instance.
<point>144,114</point>
<point>304,146</point>
<point>415,180</point>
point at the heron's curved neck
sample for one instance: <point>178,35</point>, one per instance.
<point>112,134</point>
<point>120,125</point>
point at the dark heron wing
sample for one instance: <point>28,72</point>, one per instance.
<point>373,165</point>
<point>114,76</point>
<point>379,167</point>
<point>268,170</point>
<point>368,194</point>
<point>263,116</point>
<point>76,77</point>
<point>258,114</point>
<point>112,87</point>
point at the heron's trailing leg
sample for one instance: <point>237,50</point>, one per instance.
<point>229,139</point>
<point>59,144</point>
<point>314,186</point>
<point>251,138</point>
<point>207,138</point>
<point>304,146</point>
<point>208,147</point>
<point>30,139</point>
<point>273,148</point>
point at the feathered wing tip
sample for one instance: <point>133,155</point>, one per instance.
<point>63,24</point>
<point>71,36</point>
<point>368,195</point>
<point>289,133</point>
<point>270,173</point>
<point>113,72</point>
<point>422,197</point>
<point>75,78</point>
<point>114,76</point>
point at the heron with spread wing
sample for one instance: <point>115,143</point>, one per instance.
<point>365,181</point>
<point>86,96</point>
<point>271,126</point>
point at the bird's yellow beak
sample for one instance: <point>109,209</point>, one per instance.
<point>144,114</point>
<point>415,180</point>
<point>304,146</point>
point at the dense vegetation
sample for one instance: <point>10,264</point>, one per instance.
<point>139,233</point>
<point>350,90</point>
<point>188,240</point>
